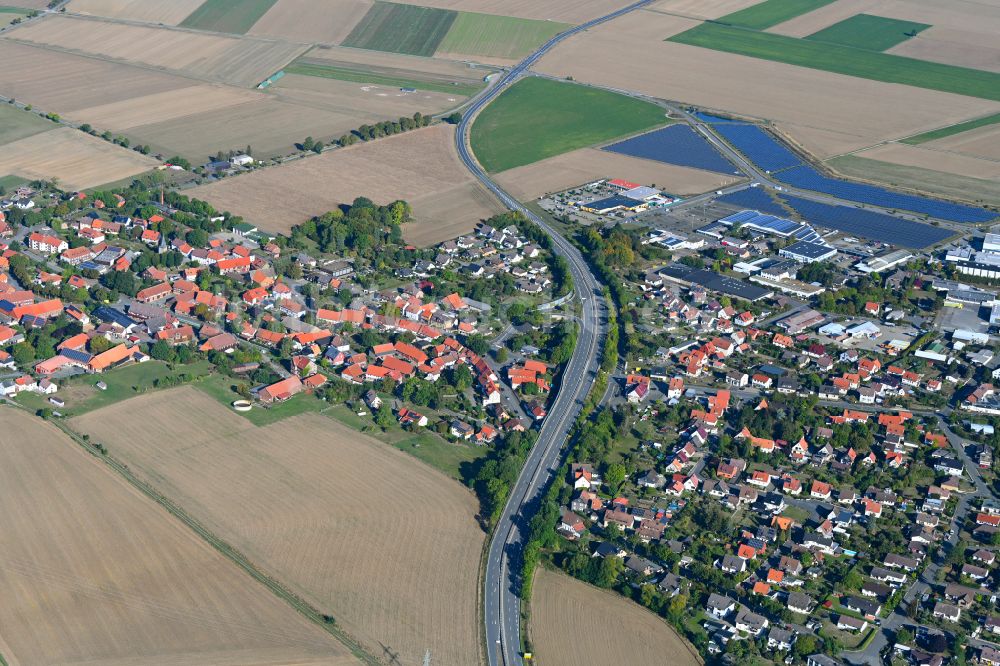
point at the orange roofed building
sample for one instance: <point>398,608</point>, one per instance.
<point>280,391</point>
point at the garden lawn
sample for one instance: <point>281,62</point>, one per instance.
<point>875,33</point>
<point>844,60</point>
<point>538,118</point>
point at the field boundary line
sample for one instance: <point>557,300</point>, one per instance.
<point>228,551</point>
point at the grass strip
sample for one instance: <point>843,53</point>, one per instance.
<point>843,60</point>
<point>951,130</point>
<point>771,12</point>
<point>346,74</point>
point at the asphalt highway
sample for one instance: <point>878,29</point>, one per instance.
<point>503,565</point>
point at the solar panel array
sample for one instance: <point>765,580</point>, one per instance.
<point>758,146</point>
<point>773,225</point>
<point>675,144</point>
<point>710,119</point>
<point>807,178</point>
<point>753,197</point>
<point>869,224</point>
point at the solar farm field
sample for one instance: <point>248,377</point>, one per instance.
<point>869,224</point>
<point>496,36</point>
<point>675,144</point>
<point>396,28</point>
<point>807,178</point>
<point>875,33</point>
<point>843,60</point>
<point>233,16</point>
<point>771,12</point>
<point>537,118</point>
<point>754,198</point>
<point>758,146</point>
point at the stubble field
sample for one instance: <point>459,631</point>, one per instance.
<point>565,11</point>
<point>420,167</point>
<point>165,106</point>
<point>94,572</point>
<point>386,545</point>
<point>316,21</point>
<point>78,160</point>
<point>148,11</point>
<point>573,623</point>
<point>588,164</point>
<point>238,61</point>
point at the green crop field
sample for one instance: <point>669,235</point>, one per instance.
<point>538,118</point>
<point>864,31</point>
<point>771,12</point>
<point>497,36</point>
<point>233,16</point>
<point>17,124</point>
<point>844,60</point>
<point>952,130</point>
<point>401,29</point>
<point>347,74</point>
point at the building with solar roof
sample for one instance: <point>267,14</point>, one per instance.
<point>806,252</point>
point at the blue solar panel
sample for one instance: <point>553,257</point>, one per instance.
<point>710,119</point>
<point>675,144</point>
<point>869,224</point>
<point>753,197</point>
<point>758,146</point>
<point>808,178</point>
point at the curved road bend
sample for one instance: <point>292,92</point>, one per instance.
<point>503,563</point>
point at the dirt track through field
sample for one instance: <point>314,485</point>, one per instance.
<point>385,544</point>
<point>419,166</point>
<point>588,164</point>
<point>862,112</point>
<point>573,623</point>
<point>94,572</point>
<point>78,160</point>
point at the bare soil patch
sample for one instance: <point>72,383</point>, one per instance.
<point>981,142</point>
<point>78,160</point>
<point>564,633</point>
<point>240,61</point>
<point>165,106</point>
<point>419,166</point>
<point>865,112</point>
<point>94,572</point>
<point>61,82</point>
<point>966,48</point>
<point>588,164</point>
<point>982,17</point>
<point>387,545</point>
<point>150,11</point>
<point>823,17</point>
<point>703,9</point>
<point>927,156</point>
<point>315,21</point>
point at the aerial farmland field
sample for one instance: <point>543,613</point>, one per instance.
<point>538,118</point>
<point>316,21</point>
<point>233,16</point>
<point>386,545</point>
<point>147,11</point>
<point>562,630</point>
<point>864,31</point>
<point>95,572</point>
<point>419,167</point>
<point>397,28</point>
<point>492,36</point>
<point>17,124</point>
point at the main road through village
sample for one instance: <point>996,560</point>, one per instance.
<point>503,563</point>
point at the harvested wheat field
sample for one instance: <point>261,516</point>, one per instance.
<point>574,623</point>
<point>388,546</point>
<point>268,124</point>
<point>981,142</point>
<point>94,572</point>
<point>165,106</point>
<point>399,62</point>
<point>702,9</point>
<point>927,156</point>
<point>239,61</point>
<point>147,11</point>
<point>588,164</point>
<point>862,112</point>
<point>565,11</point>
<point>78,160</point>
<point>965,48</point>
<point>806,24</point>
<point>420,167</point>
<point>314,21</point>
<point>62,83</point>
<point>366,101</point>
